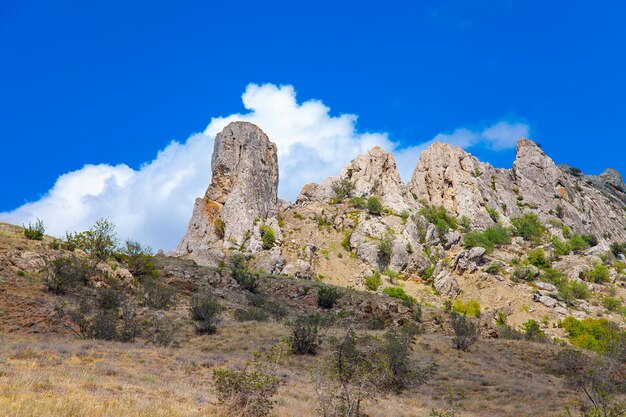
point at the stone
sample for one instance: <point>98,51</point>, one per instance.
<point>546,286</point>
<point>243,189</point>
<point>446,284</point>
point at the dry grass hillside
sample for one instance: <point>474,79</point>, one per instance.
<point>167,369</point>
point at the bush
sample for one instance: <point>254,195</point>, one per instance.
<point>592,334</point>
<point>397,352</point>
<point>572,291</point>
<point>35,231</point>
<point>305,335</point>
<point>65,273</point>
<point>374,206</point>
<point>598,274</point>
<point>385,249</point>
<point>139,260</point>
<point>591,240</point>
<point>326,296</point>
<point>267,237</point>
<point>206,311</point>
<point>528,226</point>
<point>612,304</point>
<point>466,333</point>
<point>100,242</point>
<point>343,189</point>
<point>522,273</point>
<point>538,258</point>
<point>554,276</point>
<point>489,239</point>
<point>245,278</point>
<point>494,268</point>
<point>262,301</point>
<point>250,314</point>
<point>618,249</point>
<point>560,248</point>
<point>397,292</point>
<point>373,282</point>
<point>577,244</point>
<point>100,320</point>
<point>471,308</point>
<point>532,331</point>
<point>245,393</point>
<point>358,202</point>
<point>220,228</point>
<point>157,295</point>
<point>439,216</point>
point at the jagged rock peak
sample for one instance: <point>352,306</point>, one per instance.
<point>243,188</point>
<point>372,173</point>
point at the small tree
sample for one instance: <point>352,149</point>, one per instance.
<point>327,295</point>
<point>35,231</point>
<point>267,237</point>
<point>343,189</point>
<point>305,337</point>
<point>374,206</point>
<point>245,278</point>
<point>385,249</point>
<point>466,333</point>
<point>206,312</point>
<point>100,241</point>
<point>63,274</point>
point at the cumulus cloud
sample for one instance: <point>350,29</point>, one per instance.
<point>153,203</point>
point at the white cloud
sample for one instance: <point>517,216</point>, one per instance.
<point>153,204</point>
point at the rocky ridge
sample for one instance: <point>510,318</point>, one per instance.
<point>325,238</point>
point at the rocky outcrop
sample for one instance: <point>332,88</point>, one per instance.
<point>373,174</point>
<point>450,177</point>
<point>243,190</point>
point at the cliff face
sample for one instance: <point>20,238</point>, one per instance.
<point>243,189</point>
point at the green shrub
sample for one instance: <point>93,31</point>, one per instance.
<point>612,304</point>
<point>592,334</point>
<point>494,268</point>
<point>267,237</point>
<point>560,248</point>
<point>559,211</point>
<point>400,294</point>
<point>100,241</point>
<point>245,278</point>
<point>345,243</point>
<point>577,244</point>
<point>206,311</point>
<point>471,308</point>
<point>245,393</point>
<point>590,239</point>
<point>522,273</point>
<point>138,260</point>
<point>35,231</point>
<point>261,301</point>
<point>618,249</point>
<point>326,296</point>
<point>493,213</point>
<point>466,333</point>
<point>598,274</point>
<point>554,277</point>
<point>528,226</point>
<point>63,274</point>
<point>538,258</point>
<point>157,294</point>
<point>343,189</point>
<point>489,239</point>
<point>532,330</point>
<point>439,216</point>
<point>385,248</point>
<point>358,202</point>
<point>374,206</point>
<point>373,282</point>
<point>220,228</point>
<point>305,335</point>
<point>572,291</point>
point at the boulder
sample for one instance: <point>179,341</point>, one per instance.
<point>446,284</point>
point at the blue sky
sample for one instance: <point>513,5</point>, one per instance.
<point>114,82</point>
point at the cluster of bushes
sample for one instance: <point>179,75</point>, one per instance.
<point>598,274</point>
<point>343,189</point>
<point>489,239</point>
<point>110,315</point>
<point>439,216</point>
<point>568,291</point>
<point>593,334</point>
<point>618,249</point>
<point>576,244</point>
<point>374,281</point>
<point>528,226</point>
